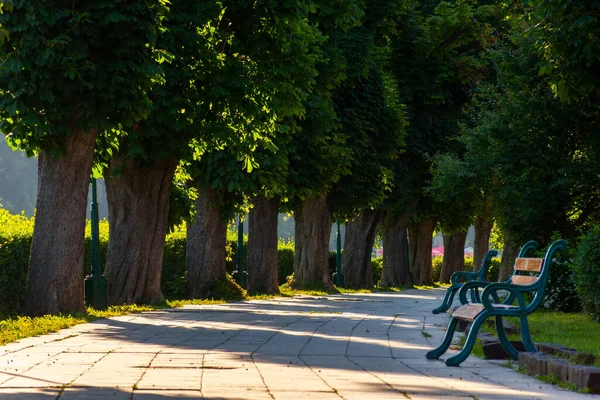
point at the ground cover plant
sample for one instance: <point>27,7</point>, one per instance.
<point>574,330</point>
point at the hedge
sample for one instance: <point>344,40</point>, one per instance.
<point>492,272</point>
<point>15,242</point>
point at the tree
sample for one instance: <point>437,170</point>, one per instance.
<point>368,135</point>
<point>437,59</point>
<point>374,130</point>
<point>566,36</point>
<point>67,76</point>
<point>249,157</point>
<point>140,171</point>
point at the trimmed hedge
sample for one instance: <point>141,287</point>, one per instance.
<point>16,232</point>
<point>492,272</point>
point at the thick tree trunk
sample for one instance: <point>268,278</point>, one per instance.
<point>55,278</point>
<point>358,248</point>
<point>509,253</point>
<point>138,209</point>
<point>396,271</point>
<point>313,226</point>
<point>420,237</point>
<point>206,245</point>
<point>262,246</point>
<point>483,230</point>
<point>454,255</point>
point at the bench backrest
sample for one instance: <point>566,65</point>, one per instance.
<point>527,270</point>
<point>534,272</point>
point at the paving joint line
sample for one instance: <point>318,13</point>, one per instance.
<point>352,333</point>
<point>405,394</point>
<point>30,368</point>
<point>66,385</point>
<point>134,387</point>
<point>309,367</point>
<point>262,377</point>
<point>388,335</point>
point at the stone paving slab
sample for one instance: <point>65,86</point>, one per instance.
<point>351,347</point>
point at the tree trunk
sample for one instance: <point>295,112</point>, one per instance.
<point>313,227</point>
<point>509,254</point>
<point>138,209</point>
<point>55,277</point>
<point>262,246</point>
<point>358,248</point>
<point>420,237</point>
<point>205,251</point>
<point>396,271</point>
<point>454,255</point>
<point>483,229</point>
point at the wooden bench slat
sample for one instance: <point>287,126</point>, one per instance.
<point>468,312</point>
<point>523,279</point>
<point>529,264</point>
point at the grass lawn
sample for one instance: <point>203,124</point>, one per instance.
<point>20,327</point>
<point>576,330</point>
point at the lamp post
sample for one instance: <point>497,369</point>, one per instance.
<point>241,276</point>
<point>338,276</point>
<point>96,285</point>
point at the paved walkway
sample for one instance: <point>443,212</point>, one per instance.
<point>367,346</point>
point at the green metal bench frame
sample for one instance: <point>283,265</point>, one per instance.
<point>461,277</point>
<point>495,308</point>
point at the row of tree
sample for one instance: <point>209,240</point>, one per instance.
<point>385,113</point>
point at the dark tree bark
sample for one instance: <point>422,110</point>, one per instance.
<point>396,271</point>
<point>206,245</point>
<point>358,247</point>
<point>55,277</point>
<point>313,226</point>
<point>483,230</point>
<point>509,253</point>
<point>262,246</point>
<point>420,244</point>
<point>454,255</point>
<point>138,209</point>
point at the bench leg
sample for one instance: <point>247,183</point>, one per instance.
<point>447,302</point>
<point>436,353</point>
<point>468,346</point>
<point>508,347</point>
<point>527,342</point>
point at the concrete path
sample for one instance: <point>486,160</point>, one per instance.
<point>367,346</point>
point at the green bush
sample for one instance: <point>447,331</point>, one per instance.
<point>437,267</point>
<point>494,270</point>
<point>285,268</point>
<point>173,271</point>
<point>15,241</point>
<point>377,266</point>
<point>586,270</point>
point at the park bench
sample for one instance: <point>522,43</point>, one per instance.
<point>459,278</point>
<point>530,277</point>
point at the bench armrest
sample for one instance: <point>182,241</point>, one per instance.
<point>515,292</point>
<point>472,285</point>
<point>468,276</point>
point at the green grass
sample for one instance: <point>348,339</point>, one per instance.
<point>575,330</point>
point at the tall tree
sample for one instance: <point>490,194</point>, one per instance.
<point>537,154</point>
<point>140,171</point>
<point>437,59</point>
<point>67,76</point>
<point>249,157</point>
<point>368,136</point>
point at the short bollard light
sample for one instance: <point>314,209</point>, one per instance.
<point>96,285</point>
<point>338,276</point>
<point>240,276</point>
